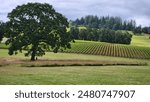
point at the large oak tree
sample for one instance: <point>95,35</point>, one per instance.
<point>36,28</point>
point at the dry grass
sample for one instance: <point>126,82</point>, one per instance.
<point>51,63</point>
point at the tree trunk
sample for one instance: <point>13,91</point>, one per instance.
<point>33,53</point>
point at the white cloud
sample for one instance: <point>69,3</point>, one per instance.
<point>144,20</point>
<point>72,9</point>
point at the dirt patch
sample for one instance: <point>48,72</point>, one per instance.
<point>51,63</point>
<point>147,35</point>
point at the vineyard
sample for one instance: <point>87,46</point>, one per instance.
<point>107,49</point>
<point>139,48</point>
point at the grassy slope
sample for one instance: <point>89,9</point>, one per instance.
<point>77,75</point>
<point>68,56</point>
<point>141,41</point>
<point>136,50</point>
<point>3,46</point>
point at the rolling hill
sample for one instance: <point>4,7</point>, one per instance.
<point>140,48</point>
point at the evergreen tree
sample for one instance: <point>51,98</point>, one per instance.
<point>114,23</point>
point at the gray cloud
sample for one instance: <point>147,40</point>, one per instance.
<point>72,9</point>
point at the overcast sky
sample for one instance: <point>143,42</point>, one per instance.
<point>138,10</point>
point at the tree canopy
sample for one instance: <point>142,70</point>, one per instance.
<point>1,30</point>
<point>37,28</point>
<point>103,35</point>
<point>106,22</point>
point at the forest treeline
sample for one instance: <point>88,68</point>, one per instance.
<point>113,23</point>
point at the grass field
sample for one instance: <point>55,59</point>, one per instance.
<point>15,69</point>
<point>16,74</point>
<point>76,75</point>
<point>142,41</point>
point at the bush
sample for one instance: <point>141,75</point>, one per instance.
<point>121,37</point>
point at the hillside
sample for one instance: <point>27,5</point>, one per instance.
<point>70,68</point>
<point>140,48</point>
<point>142,41</point>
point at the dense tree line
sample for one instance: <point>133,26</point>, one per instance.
<point>103,35</point>
<point>121,37</point>
<point>113,23</point>
<point>146,30</point>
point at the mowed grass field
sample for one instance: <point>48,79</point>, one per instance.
<point>81,75</point>
<point>13,71</point>
<point>98,75</point>
<point>142,41</point>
